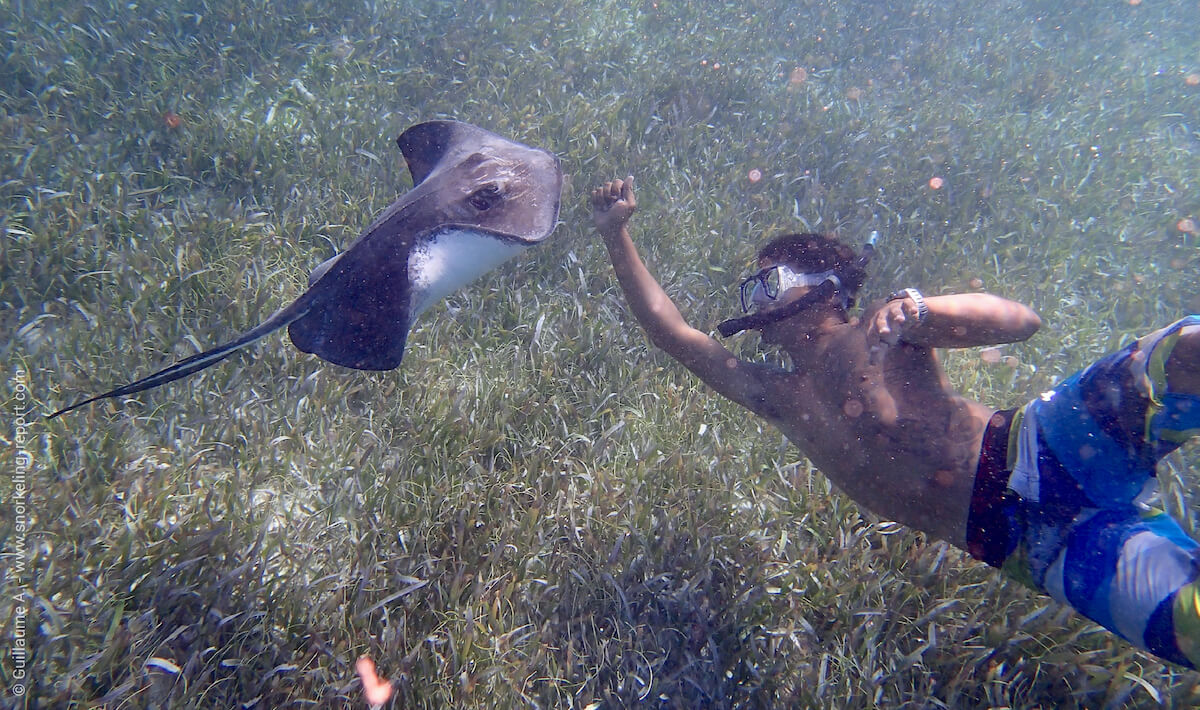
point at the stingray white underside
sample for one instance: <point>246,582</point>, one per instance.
<point>451,259</point>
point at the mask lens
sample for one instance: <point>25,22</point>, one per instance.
<point>760,288</point>
<point>770,282</point>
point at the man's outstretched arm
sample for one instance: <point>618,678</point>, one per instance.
<point>612,206</point>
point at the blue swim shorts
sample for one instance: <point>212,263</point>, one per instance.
<point>1058,498</point>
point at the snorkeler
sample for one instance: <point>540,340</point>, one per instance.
<point>1051,492</point>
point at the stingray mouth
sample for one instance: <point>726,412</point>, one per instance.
<point>481,231</point>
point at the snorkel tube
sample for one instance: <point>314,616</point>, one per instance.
<point>831,285</point>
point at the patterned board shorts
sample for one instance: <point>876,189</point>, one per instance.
<point>1057,499</point>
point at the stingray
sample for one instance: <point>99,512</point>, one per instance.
<point>478,199</point>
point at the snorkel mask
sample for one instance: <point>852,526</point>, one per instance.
<point>766,285</point>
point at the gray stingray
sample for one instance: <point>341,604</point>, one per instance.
<point>477,200</point>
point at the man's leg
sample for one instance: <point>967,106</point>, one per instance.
<point>1134,572</point>
<point>1089,452</point>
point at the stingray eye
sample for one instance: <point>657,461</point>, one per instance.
<point>485,197</point>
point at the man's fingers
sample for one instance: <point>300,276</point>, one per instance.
<point>886,329</point>
<point>614,191</point>
<point>604,196</point>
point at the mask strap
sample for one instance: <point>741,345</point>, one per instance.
<point>804,279</point>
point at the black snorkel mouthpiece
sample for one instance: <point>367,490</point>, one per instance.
<point>822,291</point>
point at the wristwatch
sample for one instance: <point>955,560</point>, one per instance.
<point>915,295</point>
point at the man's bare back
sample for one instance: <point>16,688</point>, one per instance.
<point>866,399</point>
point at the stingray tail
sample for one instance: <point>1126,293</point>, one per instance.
<point>198,362</point>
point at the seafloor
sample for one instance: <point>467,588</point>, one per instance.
<point>538,509</point>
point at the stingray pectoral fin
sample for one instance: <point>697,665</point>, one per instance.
<point>361,304</point>
<point>198,362</point>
